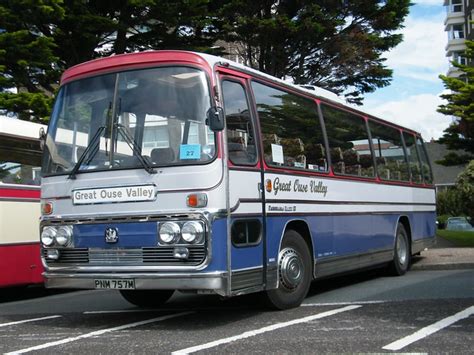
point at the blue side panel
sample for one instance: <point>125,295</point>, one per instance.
<point>343,235</point>
<point>423,225</point>
<point>361,233</point>
<point>247,257</point>
<point>219,246</point>
<point>130,235</point>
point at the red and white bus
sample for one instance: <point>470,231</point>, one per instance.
<point>20,161</point>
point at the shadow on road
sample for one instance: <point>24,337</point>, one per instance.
<point>21,293</point>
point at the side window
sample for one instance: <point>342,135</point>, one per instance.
<point>348,142</point>
<point>246,232</point>
<point>291,131</point>
<point>425,165</point>
<point>15,172</point>
<point>240,134</point>
<point>389,154</point>
<point>413,159</point>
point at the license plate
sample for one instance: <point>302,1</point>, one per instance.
<point>115,284</point>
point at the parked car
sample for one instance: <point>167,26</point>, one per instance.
<point>459,224</point>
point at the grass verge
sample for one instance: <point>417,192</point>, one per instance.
<point>460,238</point>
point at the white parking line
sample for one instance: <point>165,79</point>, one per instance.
<point>123,311</point>
<point>433,328</point>
<point>270,328</point>
<point>28,321</point>
<point>97,333</point>
<point>340,303</point>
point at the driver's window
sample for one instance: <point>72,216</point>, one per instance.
<point>240,134</point>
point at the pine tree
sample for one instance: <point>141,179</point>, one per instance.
<point>337,45</point>
<point>39,39</point>
<point>28,73</point>
<point>460,105</point>
<point>331,43</point>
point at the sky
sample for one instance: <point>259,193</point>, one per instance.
<point>413,96</point>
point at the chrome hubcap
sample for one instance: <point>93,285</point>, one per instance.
<point>291,268</point>
<point>402,249</point>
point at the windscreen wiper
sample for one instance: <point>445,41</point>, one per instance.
<point>121,129</point>
<point>92,145</point>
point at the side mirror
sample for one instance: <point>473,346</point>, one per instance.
<point>215,119</point>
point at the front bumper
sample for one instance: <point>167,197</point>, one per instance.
<point>215,281</point>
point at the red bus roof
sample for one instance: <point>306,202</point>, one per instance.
<point>131,60</point>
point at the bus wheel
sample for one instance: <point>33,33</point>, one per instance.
<point>294,270</point>
<point>147,298</point>
<point>401,253</point>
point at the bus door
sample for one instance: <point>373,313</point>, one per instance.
<point>245,181</point>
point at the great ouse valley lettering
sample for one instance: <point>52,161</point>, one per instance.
<point>314,186</point>
<point>135,192</point>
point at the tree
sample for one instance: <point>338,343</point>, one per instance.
<point>27,57</point>
<point>331,43</point>
<point>334,44</point>
<point>459,200</point>
<point>460,105</point>
<point>42,38</point>
<point>99,28</point>
<point>465,186</point>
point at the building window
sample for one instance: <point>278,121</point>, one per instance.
<point>456,32</point>
<point>459,58</point>
<point>455,6</point>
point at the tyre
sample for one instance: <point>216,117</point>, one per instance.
<point>147,298</point>
<point>294,271</point>
<point>401,253</point>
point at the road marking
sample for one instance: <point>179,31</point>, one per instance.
<point>340,303</point>
<point>124,311</point>
<point>195,309</point>
<point>426,331</point>
<point>97,333</point>
<point>270,328</point>
<point>28,321</point>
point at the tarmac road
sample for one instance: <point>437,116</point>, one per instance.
<point>426,311</point>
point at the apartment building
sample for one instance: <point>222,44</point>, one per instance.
<point>459,27</point>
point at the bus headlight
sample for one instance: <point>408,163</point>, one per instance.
<point>169,232</point>
<point>192,232</point>
<point>64,236</point>
<point>47,236</point>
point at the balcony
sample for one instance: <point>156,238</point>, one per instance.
<point>453,18</point>
<point>454,72</point>
<point>455,45</point>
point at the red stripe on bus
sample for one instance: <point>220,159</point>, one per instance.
<point>20,265</point>
<point>19,193</point>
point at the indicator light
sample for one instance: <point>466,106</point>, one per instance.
<point>47,208</point>
<point>268,185</point>
<point>196,200</point>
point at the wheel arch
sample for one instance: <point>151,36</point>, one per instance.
<point>301,227</point>
<point>405,221</point>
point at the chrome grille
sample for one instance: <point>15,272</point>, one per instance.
<point>115,256</point>
<point>138,257</point>
<point>70,256</point>
<point>197,254</point>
